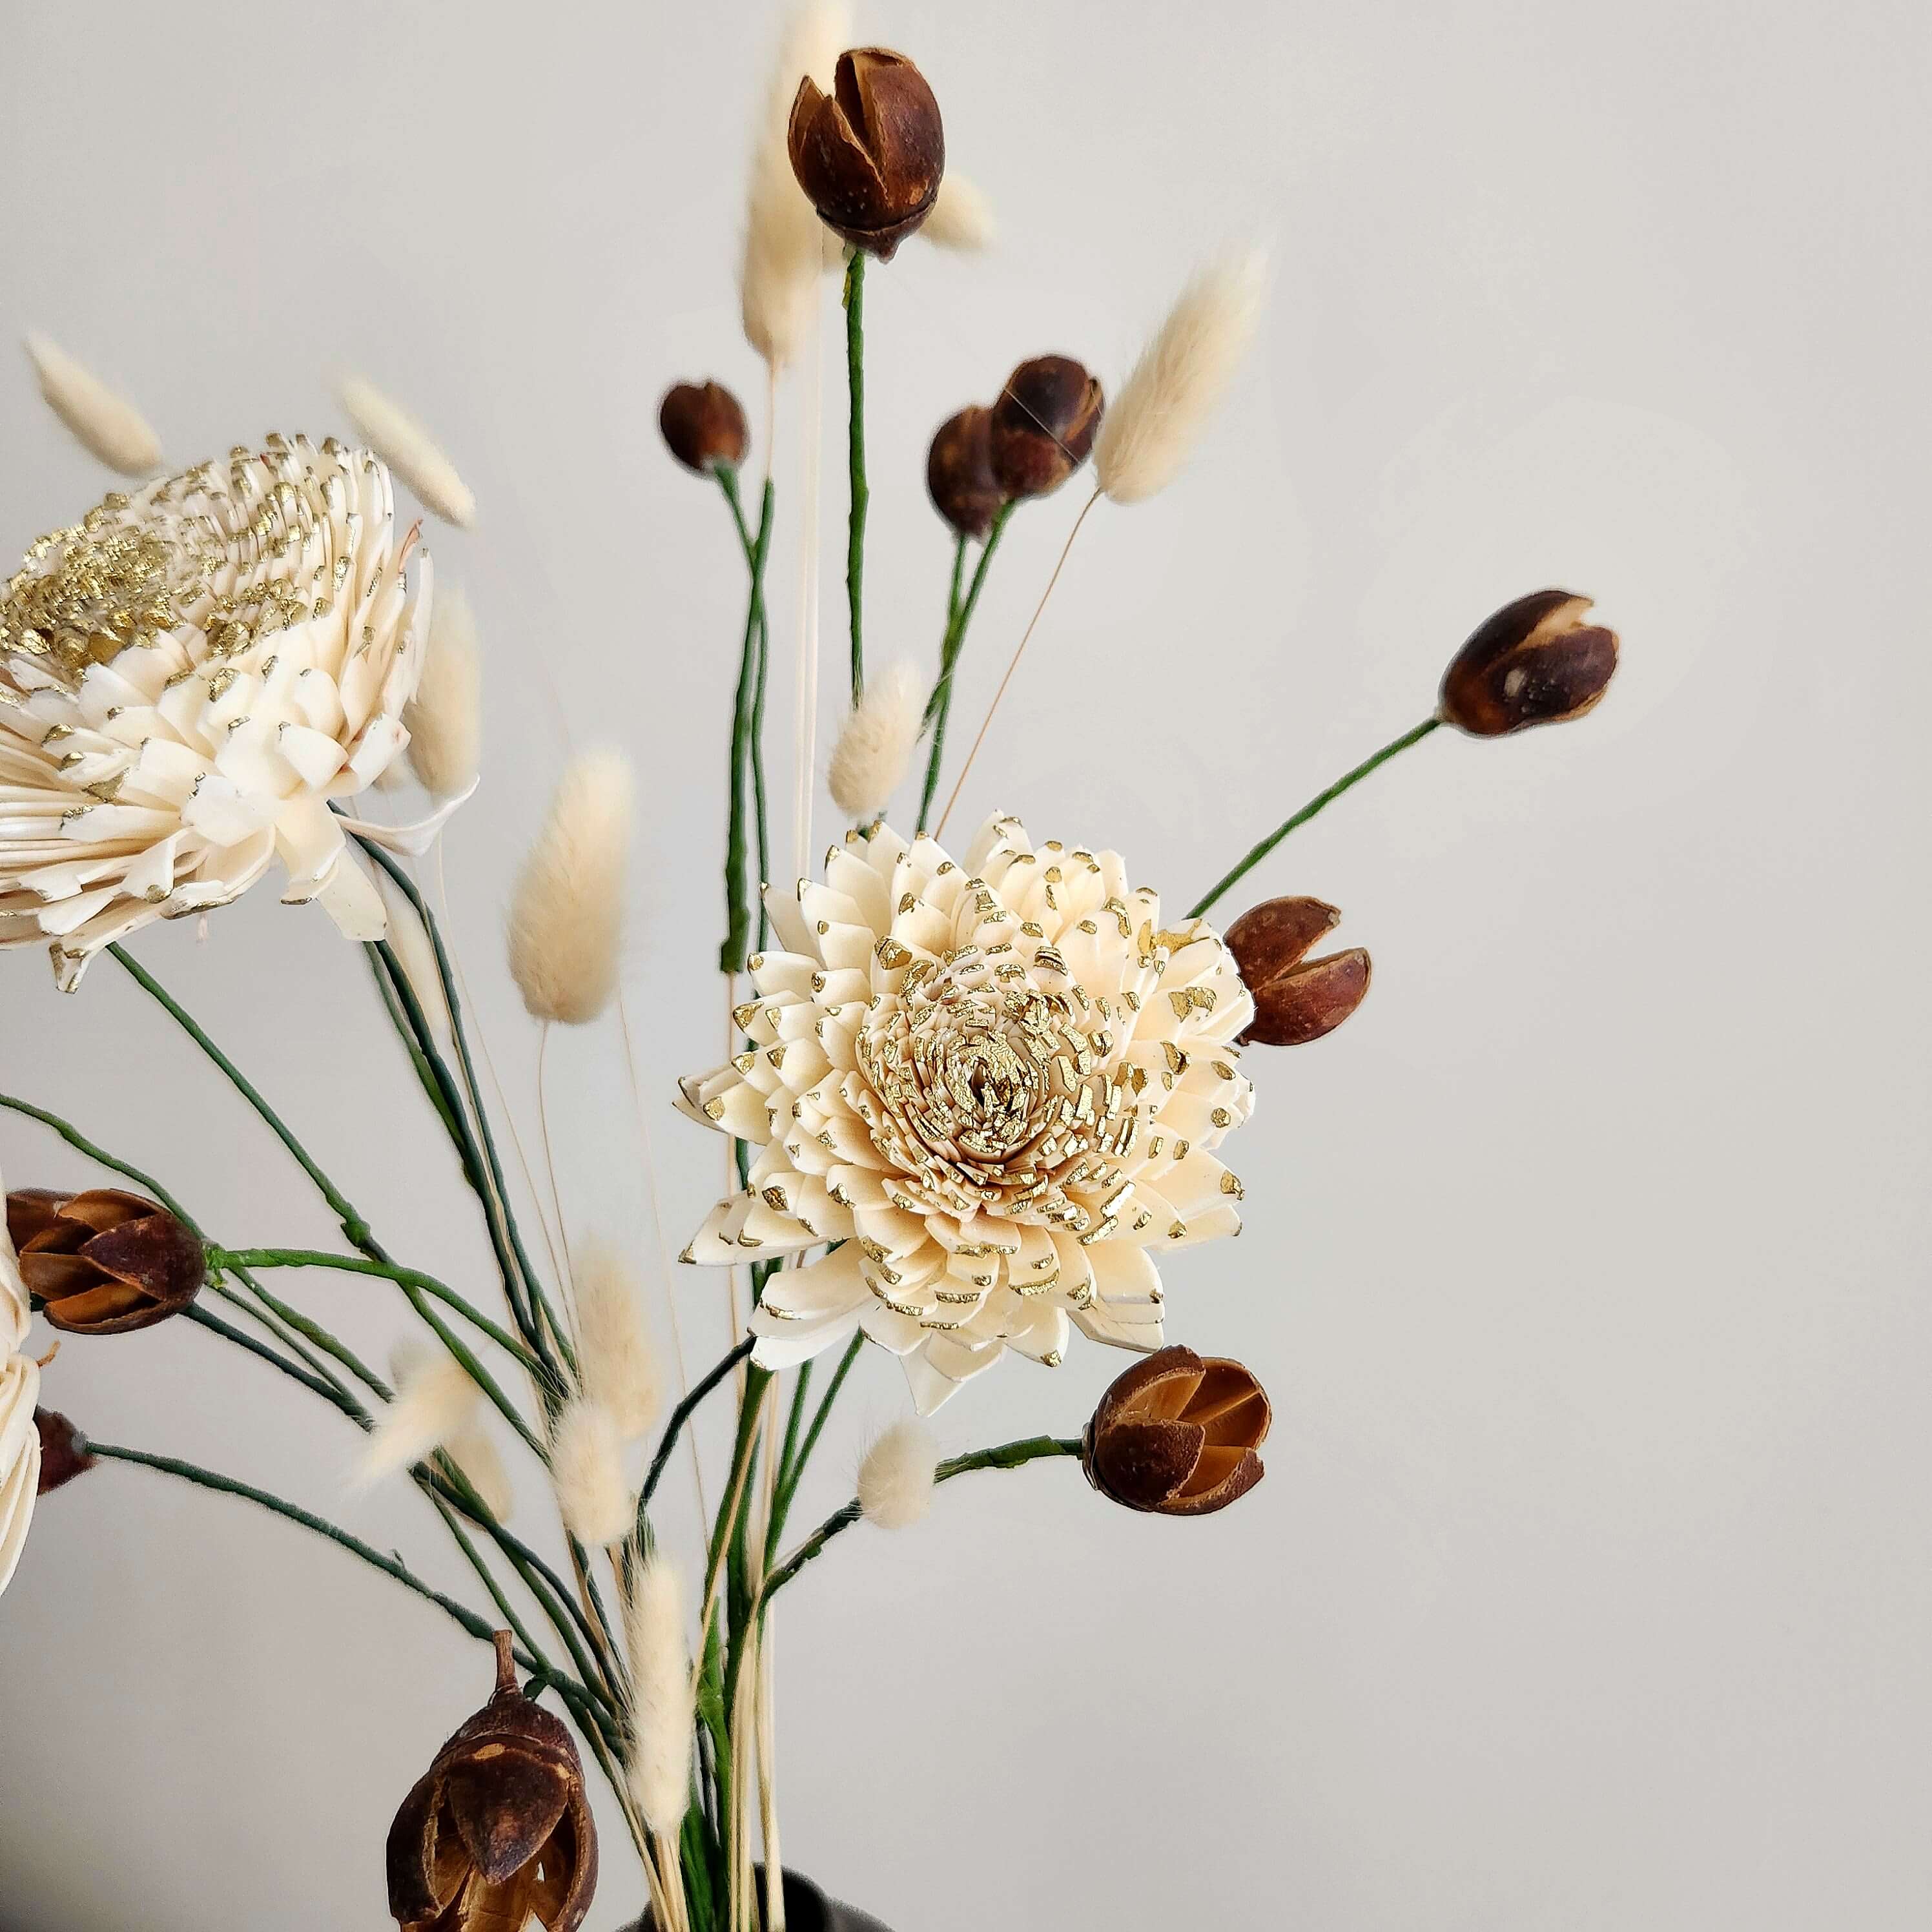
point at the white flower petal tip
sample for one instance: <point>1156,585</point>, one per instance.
<point>109,429</point>
<point>180,708</point>
<point>350,898</point>
<point>998,1084</point>
<point>1181,377</point>
<point>895,1479</point>
<point>19,1453</point>
<point>409,449</point>
<point>962,218</point>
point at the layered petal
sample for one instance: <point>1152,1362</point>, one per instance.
<point>190,678</point>
<point>999,1084</point>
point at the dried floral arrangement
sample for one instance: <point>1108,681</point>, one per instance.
<point>981,1094</point>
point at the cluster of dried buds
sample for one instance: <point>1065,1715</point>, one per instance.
<point>1027,444</point>
<point>1535,661</point>
<point>498,1830</point>
<point>1178,1434</point>
<point>104,1262</point>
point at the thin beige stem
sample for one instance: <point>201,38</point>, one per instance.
<point>664,1263</point>
<point>959,784</point>
<point>556,1193</point>
<point>768,1781</point>
<point>804,749</point>
<point>731,1183</point>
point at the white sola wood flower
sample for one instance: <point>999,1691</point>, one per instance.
<point>188,677</point>
<point>19,1390</point>
<point>999,1085</point>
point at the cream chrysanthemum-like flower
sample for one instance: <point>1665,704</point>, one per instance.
<point>19,1390</point>
<point>999,1086</point>
<point>188,677</point>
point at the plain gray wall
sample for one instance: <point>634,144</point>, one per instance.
<point>1589,1587</point>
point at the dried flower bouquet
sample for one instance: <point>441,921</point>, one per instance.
<point>982,1095</point>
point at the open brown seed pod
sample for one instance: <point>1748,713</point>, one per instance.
<point>104,1262</point>
<point>1177,1434</point>
<point>1296,999</point>
<point>1534,662</point>
<point>870,154</point>
<point>498,1830</point>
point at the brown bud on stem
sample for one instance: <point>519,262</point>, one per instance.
<point>703,426</point>
<point>1296,999</point>
<point>1534,662</point>
<point>1177,1434</point>
<point>104,1262</point>
<point>498,1830</point>
<point>63,1454</point>
<point>870,154</point>
<point>959,472</point>
<point>1044,424</point>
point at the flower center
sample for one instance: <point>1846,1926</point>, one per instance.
<point>991,1093</point>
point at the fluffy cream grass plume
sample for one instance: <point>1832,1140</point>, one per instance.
<point>777,279</point>
<point>962,217</point>
<point>436,1402</point>
<point>617,1366</point>
<point>662,1690</point>
<point>586,1468</point>
<point>470,1446</point>
<point>445,719</point>
<point>409,449</point>
<point>875,747</point>
<point>567,913</point>
<point>109,428</point>
<point>895,1479</point>
<point>1182,373</point>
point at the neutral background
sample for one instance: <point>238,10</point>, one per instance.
<point>1589,1588</point>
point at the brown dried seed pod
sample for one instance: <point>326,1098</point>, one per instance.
<point>1534,662</point>
<point>870,154</point>
<point>104,1262</point>
<point>63,1452</point>
<point>1176,1435</point>
<point>959,472</point>
<point>703,426</point>
<point>1044,424</point>
<point>498,1830</point>
<point>1296,999</point>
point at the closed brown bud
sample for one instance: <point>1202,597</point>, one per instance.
<point>959,472</point>
<point>870,154</point>
<point>63,1454</point>
<point>1534,662</point>
<point>1177,1434</point>
<point>1296,999</point>
<point>498,1830</point>
<point>104,1262</point>
<point>703,426</point>
<point>1044,424</point>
